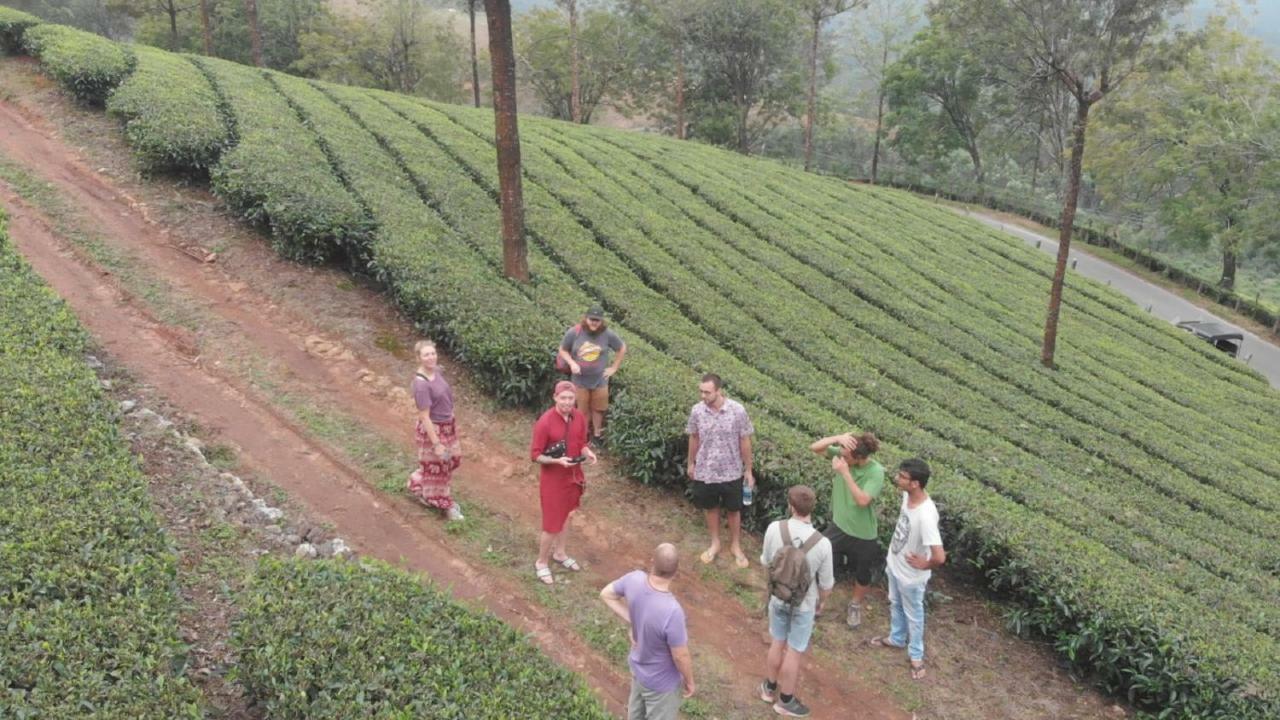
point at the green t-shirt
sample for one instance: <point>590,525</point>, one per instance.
<point>860,522</point>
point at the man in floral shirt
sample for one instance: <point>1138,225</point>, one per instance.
<point>720,463</point>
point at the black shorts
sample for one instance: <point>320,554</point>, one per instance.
<point>864,556</point>
<point>709,496</point>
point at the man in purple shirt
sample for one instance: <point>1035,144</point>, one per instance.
<point>720,463</point>
<point>661,665</point>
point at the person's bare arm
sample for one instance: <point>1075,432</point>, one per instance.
<point>568,360</point>
<point>846,439</point>
<point>616,603</point>
<point>822,599</point>
<point>862,498</point>
<point>684,663</point>
<point>694,442</point>
<point>937,557</point>
<point>617,361</point>
<point>744,446</point>
<point>424,418</point>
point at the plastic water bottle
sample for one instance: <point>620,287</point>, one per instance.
<point>747,494</point>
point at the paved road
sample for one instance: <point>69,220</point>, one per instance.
<point>1259,354</point>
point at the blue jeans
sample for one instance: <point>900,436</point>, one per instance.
<point>906,616</point>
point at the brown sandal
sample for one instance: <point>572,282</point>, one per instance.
<point>882,641</point>
<point>917,670</point>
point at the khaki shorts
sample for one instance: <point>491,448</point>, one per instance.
<point>596,399</point>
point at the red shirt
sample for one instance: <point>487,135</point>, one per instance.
<point>550,429</point>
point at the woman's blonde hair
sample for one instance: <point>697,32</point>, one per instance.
<point>419,346</point>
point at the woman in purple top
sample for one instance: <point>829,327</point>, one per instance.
<point>439,453</point>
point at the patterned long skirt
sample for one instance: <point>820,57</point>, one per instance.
<point>431,480</point>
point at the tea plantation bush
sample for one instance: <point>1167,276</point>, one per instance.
<point>172,116</point>
<point>13,23</point>
<point>1127,499</point>
<point>88,611</point>
<point>337,639</point>
<point>88,66</point>
<point>276,173</point>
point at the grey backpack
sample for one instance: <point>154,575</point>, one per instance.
<point>789,571</point>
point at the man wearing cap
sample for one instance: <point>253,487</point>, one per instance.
<point>585,349</point>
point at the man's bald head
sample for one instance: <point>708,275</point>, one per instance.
<point>666,560</point>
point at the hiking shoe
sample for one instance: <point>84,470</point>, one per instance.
<point>795,708</point>
<point>454,513</point>
<point>854,618</point>
<point>766,694</point>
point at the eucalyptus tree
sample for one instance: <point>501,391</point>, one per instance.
<point>1089,46</point>
<point>1196,138</point>
<point>748,56</point>
<point>818,12</point>
<point>940,98</point>
<point>879,31</point>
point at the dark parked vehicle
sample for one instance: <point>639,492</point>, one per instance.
<point>1224,337</point>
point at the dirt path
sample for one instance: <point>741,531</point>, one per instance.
<point>341,345</point>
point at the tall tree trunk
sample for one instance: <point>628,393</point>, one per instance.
<point>811,107</point>
<point>1035,164</point>
<point>255,34</point>
<point>1228,281</point>
<point>172,9</point>
<point>744,116</point>
<point>976,159</point>
<point>680,80</point>
<point>575,91</point>
<point>206,30</point>
<point>1229,258</point>
<point>475,64</point>
<point>875,152</point>
<point>502,59</point>
<point>1064,232</point>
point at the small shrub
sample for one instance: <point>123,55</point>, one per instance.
<point>13,23</point>
<point>88,66</point>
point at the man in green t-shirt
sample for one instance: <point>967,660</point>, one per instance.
<point>854,490</point>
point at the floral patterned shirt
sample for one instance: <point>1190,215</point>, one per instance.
<point>719,432</point>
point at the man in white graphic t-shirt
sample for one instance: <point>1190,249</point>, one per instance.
<point>916,549</point>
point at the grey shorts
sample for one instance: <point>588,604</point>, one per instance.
<point>645,704</point>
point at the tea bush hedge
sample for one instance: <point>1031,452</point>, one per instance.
<point>339,639</point>
<point>276,174</point>
<point>88,608</point>
<point>13,23</point>
<point>171,113</point>
<point>88,66</point>
<point>1127,499</point>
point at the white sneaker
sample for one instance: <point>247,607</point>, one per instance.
<point>454,513</point>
